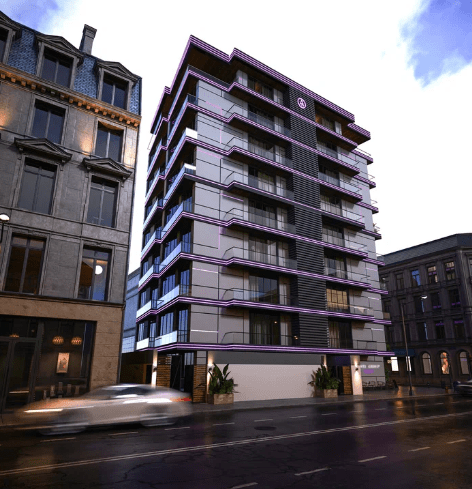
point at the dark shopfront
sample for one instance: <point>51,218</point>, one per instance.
<point>43,358</point>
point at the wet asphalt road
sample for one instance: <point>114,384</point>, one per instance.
<point>383,444</point>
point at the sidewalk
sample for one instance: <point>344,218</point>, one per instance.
<point>394,394</point>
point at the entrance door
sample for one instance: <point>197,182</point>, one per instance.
<point>16,372</point>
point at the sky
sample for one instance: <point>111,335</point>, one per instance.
<point>403,68</point>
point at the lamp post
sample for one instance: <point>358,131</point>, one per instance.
<point>407,357</point>
<point>3,219</point>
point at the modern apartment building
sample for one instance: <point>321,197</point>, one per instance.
<point>258,241</point>
<point>69,125</point>
<point>431,285</point>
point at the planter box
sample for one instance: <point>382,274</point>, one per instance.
<point>220,398</point>
<point>326,393</point>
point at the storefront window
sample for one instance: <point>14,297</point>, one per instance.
<point>444,363</point>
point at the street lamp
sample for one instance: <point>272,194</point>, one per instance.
<point>3,219</point>
<point>407,358</point>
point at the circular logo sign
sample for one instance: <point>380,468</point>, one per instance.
<point>301,103</point>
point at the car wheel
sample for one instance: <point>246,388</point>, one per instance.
<point>67,424</point>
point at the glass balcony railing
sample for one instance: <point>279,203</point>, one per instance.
<point>150,211</point>
<point>187,132</point>
<point>270,155</point>
<point>259,338</point>
<point>191,99</point>
<point>345,274</point>
<point>350,309</point>
<point>258,257</point>
<point>175,292</point>
<point>155,154</point>
<point>341,212</point>
<point>184,206</point>
<point>157,234</point>
<point>269,123</point>
<point>339,182</point>
<point>263,219</point>
<point>258,183</point>
<point>182,247</point>
<point>344,242</point>
<point>271,297</point>
<point>189,169</point>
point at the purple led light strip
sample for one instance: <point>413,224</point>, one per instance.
<point>257,305</point>
<point>232,221</point>
<point>262,348</point>
<point>368,206</point>
<point>375,262</point>
<point>244,261</point>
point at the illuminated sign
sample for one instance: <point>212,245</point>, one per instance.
<point>301,103</point>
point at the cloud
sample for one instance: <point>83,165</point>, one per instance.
<point>33,13</point>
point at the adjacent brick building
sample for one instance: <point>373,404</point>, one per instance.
<point>69,126</point>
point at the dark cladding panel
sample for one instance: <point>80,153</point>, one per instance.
<point>308,223</point>
<point>300,103</point>
<point>313,330</point>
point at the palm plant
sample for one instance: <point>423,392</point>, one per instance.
<point>219,382</point>
<point>323,379</point>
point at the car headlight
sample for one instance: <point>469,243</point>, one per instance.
<point>44,410</point>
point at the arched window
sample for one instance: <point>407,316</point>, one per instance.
<point>426,359</point>
<point>444,361</point>
<point>464,362</point>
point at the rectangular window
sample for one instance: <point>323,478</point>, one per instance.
<point>264,329</point>
<point>399,281</point>
<point>459,331</point>
<point>415,278</point>
<point>432,274</point>
<point>435,301</point>
<point>167,323</point>
<point>37,187</point>
<point>94,272</point>
<point>422,331</point>
<point>419,307</point>
<point>48,122</point>
<point>440,330</point>
<point>24,268</point>
<point>109,143</point>
<point>3,43</point>
<point>102,202</point>
<point>340,334</point>
<point>450,268</point>
<point>337,300</point>
<point>56,68</point>
<point>394,361</point>
<point>263,289</point>
<point>114,91</point>
<point>260,87</point>
<point>454,298</point>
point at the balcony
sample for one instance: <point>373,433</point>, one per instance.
<point>263,219</point>
<point>150,211</point>
<point>180,290</point>
<point>345,274</point>
<point>270,155</point>
<point>343,242</point>
<point>259,184</point>
<point>153,156</point>
<point>341,183</point>
<point>341,212</point>
<point>349,344</point>
<point>255,338</point>
<point>271,297</point>
<point>189,99</point>
<point>189,170</point>
<point>244,254</point>
<point>157,234</point>
<point>350,309</point>
<point>180,248</point>
<point>183,207</point>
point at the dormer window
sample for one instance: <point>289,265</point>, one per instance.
<point>56,68</point>
<point>3,43</point>
<point>114,91</point>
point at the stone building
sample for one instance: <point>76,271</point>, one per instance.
<point>69,127</point>
<point>258,239</point>
<point>431,284</point>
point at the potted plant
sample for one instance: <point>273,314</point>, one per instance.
<point>221,388</point>
<point>324,383</point>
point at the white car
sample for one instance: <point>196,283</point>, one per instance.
<point>124,403</point>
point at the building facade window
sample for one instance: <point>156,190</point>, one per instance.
<point>37,187</point>
<point>464,362</point>
<point>340,334</point>
<point>56,68</point>
<point>260,87</point>
<point>3,43</point>
<point>399,281</point>
<point>415,278</point>
<point>450,269</point>
<point>263,289</point>
<point>432,274</point>
<point>459,331</point>
<point>264,329</point>
<point>114,91</point>
<point>419,305</point>
<point>394,363</point>
<point>109,143</point>
<point>167,323</point>
<point>454,298</point>
<point>435,301</point>
<point>440,330</point>
<point>422,331</point>
<point>426,361</point>
<point>102,202</point>
<point>444,362</point>
<point>48,122</point>
<point>337,299</point>
<point>94,273</point>
<point>24,268</point>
